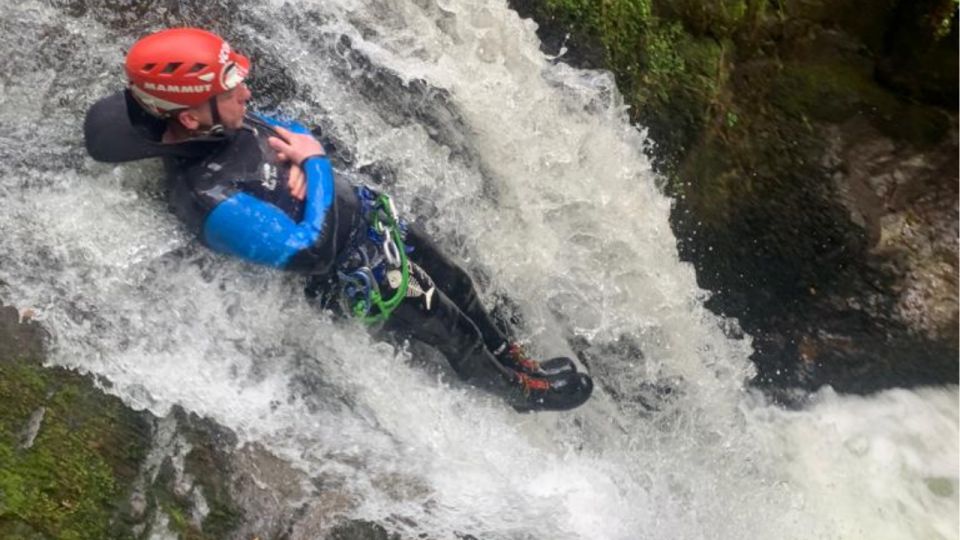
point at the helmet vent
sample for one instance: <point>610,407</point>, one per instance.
<point>197,67</point>
<point>148,67</point>
<point>170,68</point>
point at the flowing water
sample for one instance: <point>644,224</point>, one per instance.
<point>529,172</point>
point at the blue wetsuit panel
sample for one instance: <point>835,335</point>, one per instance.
<point>292,125</point>
<point>260,232</point>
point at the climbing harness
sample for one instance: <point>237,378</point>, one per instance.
<point>363,274</point>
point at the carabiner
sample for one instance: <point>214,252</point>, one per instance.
<point>390,251</point>
<point>390,208</point>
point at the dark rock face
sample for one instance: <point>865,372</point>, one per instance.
<point>812,152</point>
<point>19,340</point>
<point>827,221</point>
<point>906,201</point>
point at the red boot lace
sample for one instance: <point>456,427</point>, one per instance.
<point>520,357</point>
<point>533,383</point>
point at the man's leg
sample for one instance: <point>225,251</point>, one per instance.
<point>438,322</point>
<point>456,284</point>
<point>454,281</point>
<point>435,320</point>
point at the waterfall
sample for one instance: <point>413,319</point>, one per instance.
<point>524,169</point>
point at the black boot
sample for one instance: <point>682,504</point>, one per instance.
<point>561,392</point>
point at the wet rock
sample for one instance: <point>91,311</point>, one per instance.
<point>575,48</point>
<point>29,433</point>
<point>18,339</point>
<point>361,530</point>
<point>329,501</point>
<point>138,505</point>
<point>115,472</point>
<point>919,52</point>
<point>187,476</point>
<point>906,200</point>
<point>269,489</point>
<point>402,103</point>
<point>80,446</point>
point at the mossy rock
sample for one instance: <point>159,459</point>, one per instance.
<point>360,530</point>
<point>867,20</point>
<point>826,92</point>
<point>211,469</point>
<point>681,91</point>
<point>835,92</point>
<point>921,125</point>
<point>71,480</point>
<point>720,18</point>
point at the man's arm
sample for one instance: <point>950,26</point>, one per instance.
<point>259,232</point>
<point>295,182</point>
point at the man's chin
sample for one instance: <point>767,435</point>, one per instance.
<point>239,121</point>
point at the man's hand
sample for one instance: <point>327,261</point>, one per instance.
<point>297,183</point>
<point>295,147</point>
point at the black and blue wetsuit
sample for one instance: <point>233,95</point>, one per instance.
<point>236,200</point>
<point>232,192</point>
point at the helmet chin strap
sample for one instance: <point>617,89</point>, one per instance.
<point>217,128</point>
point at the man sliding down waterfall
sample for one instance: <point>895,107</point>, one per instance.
<point>262,189</point>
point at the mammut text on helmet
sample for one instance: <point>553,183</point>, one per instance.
<point>178,88</point>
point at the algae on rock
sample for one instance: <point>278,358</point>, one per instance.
<point>71,481</point>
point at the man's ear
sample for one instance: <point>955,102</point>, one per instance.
<point>189,118</point>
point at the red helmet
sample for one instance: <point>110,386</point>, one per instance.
<point>182,68</point>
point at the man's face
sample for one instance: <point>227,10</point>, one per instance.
<point>231,105</point>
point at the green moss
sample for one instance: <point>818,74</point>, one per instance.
<point>944,18</point>
<point>670,74</point>
<point>222,519</point>
<point>836,92</point>
<point>363,530</point>
<point>60,485</point>
<point>674,61</point>
<point>827,92</point>
<point>178,522</point>
<point>620,26</point>
<point>70,482</point>
<point>720,18</point>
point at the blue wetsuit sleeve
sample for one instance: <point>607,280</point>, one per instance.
<point>260,232</point>
<point>285,123</point>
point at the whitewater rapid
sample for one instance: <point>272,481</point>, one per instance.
<point>530,173</point>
